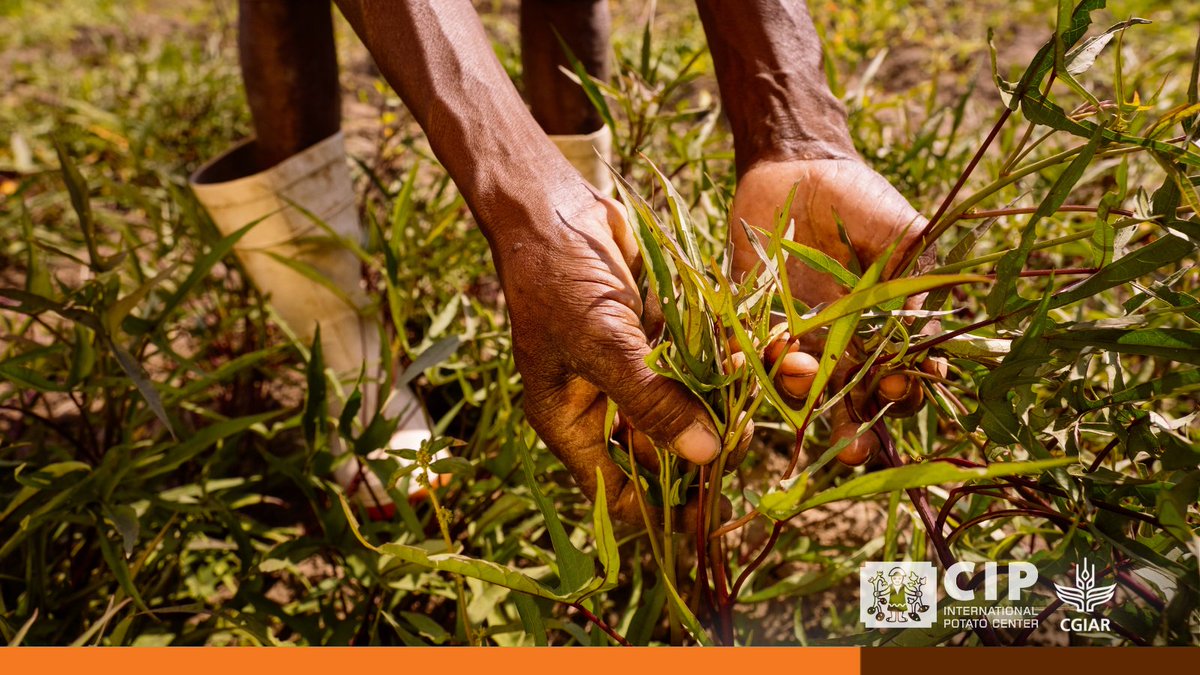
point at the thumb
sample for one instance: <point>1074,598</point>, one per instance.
<point>657,406</point>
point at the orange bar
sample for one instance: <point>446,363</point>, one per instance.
<point>1055,660</point>
<point>429,660</point>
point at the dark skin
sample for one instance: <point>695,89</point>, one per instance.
<point>790,130</point>
<point>565,255</point>
<point>289,68</point>
<point>557,103</point>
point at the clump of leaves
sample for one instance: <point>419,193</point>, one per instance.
<point>1036,436</point>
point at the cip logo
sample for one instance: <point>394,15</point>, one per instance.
<point>897,594</point>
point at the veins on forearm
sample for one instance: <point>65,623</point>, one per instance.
<point>769,66</point>
<point>438,58</point>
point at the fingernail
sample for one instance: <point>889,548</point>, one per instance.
<point>698,444</point>
<point>895,387</point>
<point>796,387</point>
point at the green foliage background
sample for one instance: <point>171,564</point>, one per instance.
<point>158,486</point>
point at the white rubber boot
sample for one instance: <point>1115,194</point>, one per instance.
<point>588,153</point>
<point>316,180</point>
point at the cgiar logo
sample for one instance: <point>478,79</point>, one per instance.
<point>1085,597</point>
<point>897,594</point>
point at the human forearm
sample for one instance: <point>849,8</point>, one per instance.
<point>768,61</point>
<point>438,58</point>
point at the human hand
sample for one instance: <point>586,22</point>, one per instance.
<point>874,216</point>
<point>579,338</point>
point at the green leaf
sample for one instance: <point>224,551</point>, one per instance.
<point>1149,258</point>
<point>606,540</point>
<point>29,491</point>
<point>1173,384</point>
<point>350,413</point>
<point>24,630</point>
<point>531,618</point>
<point>880,293</point>
<point>83,355</point>
<point>1010,385</point>
<point>1174,344</point>
<point>1066,36</point>
<point>1046,113</point>
<point>782,505</point>
<point>314,421</point>
<point>376,434</point>
<point>427,627</point>
<point>821,262</point>
<point>125,519</point>
<point>119,568</point>
<point>1173,508</point>
<point>460,466</point>
<point>589,85</point>
<point>119,310</point>
<point>198,442</point>
<point>146,388</point>
<point>80,201</point>
<point>1009,268</point>
<point>204,265</point>
<point>575,568</point>
<point>1081,59</point>
<point>434,355</point>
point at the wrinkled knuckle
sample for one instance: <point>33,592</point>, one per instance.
<point>650,399</point>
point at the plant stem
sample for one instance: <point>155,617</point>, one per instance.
<point>927,233</point>
<point>920,501</point>
<point>608,630</point>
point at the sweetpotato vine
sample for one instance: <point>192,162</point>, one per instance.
<point>1048,414</point>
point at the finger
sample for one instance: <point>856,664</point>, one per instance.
<point>569,418</point>
<point>647,456</point>
<point>636,443</point>
<point>739,452</point>
<point>796,373</point>
<point>936,366</point>
<point>643,449</point>
<point>861,449</point>
<point>653,321</point>
<point>903,391</point>
<point>658,406</point>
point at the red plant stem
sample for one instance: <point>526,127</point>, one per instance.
<point>608,630</point>
<point>920,501</point>
<point>799,447</point>
<point>1140,589</point>
<point>1103,454</point>
<point>956,494</point>
<point>950,335</point>
<point>735,525</point>
<point>724,606</point>
<point>758,560</point>
<point>1004,513</point>
<point>1098,503</point>
<point>727,602</point>
<point>920,243</point>
<point>701,541</point>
